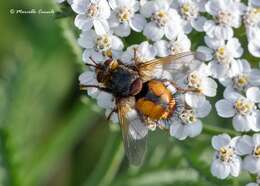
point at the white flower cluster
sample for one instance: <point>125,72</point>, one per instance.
<point>166,26</point>
<point>233,155</point>
<point>104,26</point>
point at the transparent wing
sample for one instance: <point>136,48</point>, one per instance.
<point>182,62</point>
<point>134,131</point>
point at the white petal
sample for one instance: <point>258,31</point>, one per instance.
<point>241,123</point>
<point>255,3</point>
<point>239,66</point>
<point>219,169</point>
<point>83,23</point>
<point>101,26</point>
<point>252,164</point>
<point>254,77</point>
<point>148,9</point>
<point>206,51</point>
<point>153,32</point>
<point>198,24</point>
<point>137,23</point>
<point>235,47</point>
<point>104,9</point>
<point>253,93</point>
<point>213,42</point>
<point>116,44</point>
<point>209,87</point>
<point>105,100</point>
<point>231,95</point>
<point>147,51</point>
<point>225,108</point>
<point>123,30</point>
<point>162,48</point>
<point>80,6</point>
<point>223,32</point>
<point>195,129</point>
<point>254,48</point>
<point>235,167</point>
<point>204,109</point>
<point>178,131</point>
<point>245,145</point>
<point>87,39</point>
<point>172,29</point>
<point>256,139</point>
<point>217,70</point>
<point>213,7</point>
<point>221,140</point>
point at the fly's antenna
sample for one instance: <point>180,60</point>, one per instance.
<point>91,65</point>
<point>95,65</point>
<point>93,61</point>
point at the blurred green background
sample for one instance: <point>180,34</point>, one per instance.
<point>53,135</point>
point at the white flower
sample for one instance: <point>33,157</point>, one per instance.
<point>144,52</point>
<point>92,13</point>
<point>222,54</point>
<point>226,161</point>
<point>242,109</point>
<point>164,20</point>
<point>242,76</point>
<point>186,122</point>
<point>254,47</point>
<point>227,14</point>
<point>250,146</point>
<point>252,23</point>
<point>104,99</point>
<point>190,13</point>
<point>99,47</point>
<point>199,79</point>
<point>255,3</point>
<point>174,46</point>
<point>125,16</point>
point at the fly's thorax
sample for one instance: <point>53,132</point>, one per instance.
<point>122,80</point>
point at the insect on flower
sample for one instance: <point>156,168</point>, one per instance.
<point>141,100</point>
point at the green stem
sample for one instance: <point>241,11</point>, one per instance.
<point>213,130</point>
<point>109,162</point>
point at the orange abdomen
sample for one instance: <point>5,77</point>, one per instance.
<point>157,103</point>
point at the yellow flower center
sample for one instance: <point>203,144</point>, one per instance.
<point>188,116</point>
<point>222,56</point>
<point>160,18</point>
<point>124,14</point>
<point>243,106</point>
<point>103,42</point>
<point>194,80</point>
<point>224,18</point>
<point>226,153</point>
<point>252,17</point>
<point>92,10</point>
<point>257,152</point>
<point>240,81</point>
<point>189,11</point>
<point>175,48</point>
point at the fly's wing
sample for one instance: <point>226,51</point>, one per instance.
<point>133,129</point>
<point>182,62</point>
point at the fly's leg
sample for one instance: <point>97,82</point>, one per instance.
<point>110,114</point>
<point>85,87</point>
<point>136,61</point>
<point>184,90</point>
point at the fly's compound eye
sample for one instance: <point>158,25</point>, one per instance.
<point>100,77</point>
<point>108,61</point>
